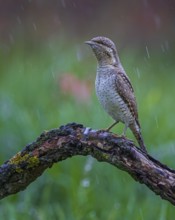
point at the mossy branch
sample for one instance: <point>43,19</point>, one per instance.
<point>74,139</point>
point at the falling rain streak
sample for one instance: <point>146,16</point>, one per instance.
<point>138,72</point>
<point>147,52</point>
<point>34,27</point>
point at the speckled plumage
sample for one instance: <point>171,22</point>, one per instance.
<point>109,98</point>
<point>113,87</point>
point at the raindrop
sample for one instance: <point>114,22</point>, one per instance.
<point>34,27</point>
<point>138,72</point>
<point>79,54</point>
<point>167,45</point>
<point>85,182</point>
<point>38,113</point>
<point>172,148</point>
<point>162,48</point>
<point>147,51</point>
<point>156,120</point>
<point>89,164</point>
<point>18,20</point>
<point>53,74</point>
<point>157,21</point>
<point>11,38</point>
<point>141,214</point>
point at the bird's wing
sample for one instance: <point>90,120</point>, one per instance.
<point>126,91</point>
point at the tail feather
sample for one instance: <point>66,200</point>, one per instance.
<point>136,130</point>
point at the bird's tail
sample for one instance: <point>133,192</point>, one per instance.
<point>135,128</point>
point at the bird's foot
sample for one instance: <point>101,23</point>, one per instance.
<point>111,126</point>
<point>144,149</point>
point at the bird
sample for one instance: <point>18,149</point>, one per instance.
<point>114,89</point>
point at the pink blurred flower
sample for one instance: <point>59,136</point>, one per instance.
<point>71,85</point>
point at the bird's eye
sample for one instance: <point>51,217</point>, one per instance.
<point>107,54</point>
<point>100,42</point>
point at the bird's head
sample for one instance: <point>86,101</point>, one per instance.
<point>104,50</point>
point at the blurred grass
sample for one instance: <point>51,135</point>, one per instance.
<point>81,188</point>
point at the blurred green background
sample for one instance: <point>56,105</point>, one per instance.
<point>47,79</point>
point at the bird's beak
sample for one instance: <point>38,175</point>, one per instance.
<point>89,42</point>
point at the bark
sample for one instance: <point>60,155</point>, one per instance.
<point>75,139</point>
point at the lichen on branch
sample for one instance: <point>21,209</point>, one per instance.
<point>74,139</point>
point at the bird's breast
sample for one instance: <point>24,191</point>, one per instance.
<point>109,98</point>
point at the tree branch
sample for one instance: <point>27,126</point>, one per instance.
<point>74,139</point>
